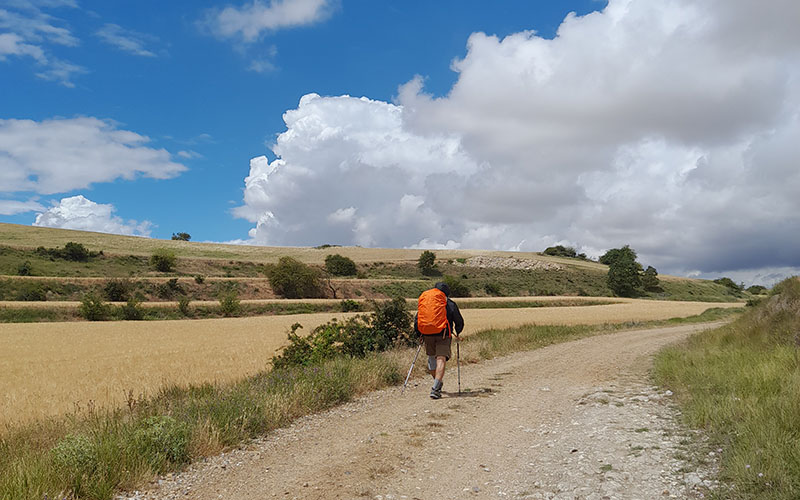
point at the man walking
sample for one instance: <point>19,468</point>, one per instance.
<point>436,318</point>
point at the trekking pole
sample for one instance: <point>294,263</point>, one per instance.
<point>458,363</point>
<point>412,367</point>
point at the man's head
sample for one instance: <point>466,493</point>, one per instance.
<point>443,287</point>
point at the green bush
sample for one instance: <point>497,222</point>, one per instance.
<point>183,305</point>
<point>132,310</point>
<point>427,263</point>
<point>75,456</point>
<point>93,308</point>
<point>388,325</point>
<point>199,279</point>
<point>292,279</point>
<point>650,281</point>
<point>117,290</point>
<point>339,265</point>
<point>32,292</point>
<point>560,251</point>
<point>492,289</point>
<point>757,290</point>
<point>348,305</point>
<point>163,260</point>
<point>25,269</point>
<point>730,285</point>
<point>75,252</point>
<point>457,287</point>
<point>229,303</point>
<point>181,236</point>
<point>162,441</point>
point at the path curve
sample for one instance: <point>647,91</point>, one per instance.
<point>558,422</point>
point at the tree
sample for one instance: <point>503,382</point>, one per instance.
<point>618,253</point>
<point>650,281</point>
<point>339,265</point>
<point>561,251</point>
<point>624,275</point>
<point>75,252</point>
<point>427,263</point>
<point>757,290</point>
<point>292,279</point>
<point>181,236</point>
<point>730,284</point>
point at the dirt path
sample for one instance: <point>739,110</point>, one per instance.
<point>574,420</point>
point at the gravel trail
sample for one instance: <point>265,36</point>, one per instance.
<point>577,420</point>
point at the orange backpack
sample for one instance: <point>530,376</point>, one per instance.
<point>432,312</point>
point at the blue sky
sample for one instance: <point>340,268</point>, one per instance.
<point>668,125</point>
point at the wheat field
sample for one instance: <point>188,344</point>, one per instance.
<point>50,369</point>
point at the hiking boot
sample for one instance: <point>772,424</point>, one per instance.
<point>436,390</point>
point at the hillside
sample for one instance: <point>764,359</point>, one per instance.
<point>204,269</point>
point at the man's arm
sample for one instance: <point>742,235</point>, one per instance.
<point>454,316</point>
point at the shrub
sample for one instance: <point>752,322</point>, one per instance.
<point>650,281</point>
<point>75,456</point>
<point>132,310</point>
<point>117,290</point>
<point>339,265</point>
<point>93,308</point>
<point>292,279</point>
<point>183,305</point>
<point>348,305</point>
<point>24,269</point>
<point>229,303</point>
<point>492,289</point>
<point>730,285</point>
<point>199,279</point>
<point>162,441</point>
<point>757,290</point>
<point>457,287</point>
<point>75,252</point>
<point>32,292</point>
<point>427,263</point>
<point>387,326</point>
<point>163,260</point>
<point>560,251</point>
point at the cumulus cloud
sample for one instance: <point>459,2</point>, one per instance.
<point>60,155</point>
<point>30,32</point>
<point>80,213</point>
<point>249,21</point>
<point>670,126</point>
<point>126,40</point>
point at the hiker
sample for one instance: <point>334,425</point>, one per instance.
<point>436,317</point>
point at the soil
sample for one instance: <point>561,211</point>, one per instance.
<point>578,420</point>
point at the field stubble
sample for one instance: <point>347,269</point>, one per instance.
<point>53,368</point>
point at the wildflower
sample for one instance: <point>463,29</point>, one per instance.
<point>747,466</point>
<point>760,474</point>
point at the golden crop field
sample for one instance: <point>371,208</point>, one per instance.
<point>50,368</point>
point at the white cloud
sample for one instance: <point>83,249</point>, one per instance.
<point>83,214</point>
<point>671,126</point>
<point>29,32</point>
<point>126,40</point>
<point>60,155</point>
<point>13,207</point>
<point>252,19</point>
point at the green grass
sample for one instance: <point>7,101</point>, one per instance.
<point>94,453</point>
<point>741,383</point>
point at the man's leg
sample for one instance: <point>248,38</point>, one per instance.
<point>440,363</point>
<point>432,366</point>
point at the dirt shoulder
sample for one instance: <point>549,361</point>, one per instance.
<point>574,420</point>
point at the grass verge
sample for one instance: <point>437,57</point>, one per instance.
<point>741,384</point>
<point>93,454</point>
